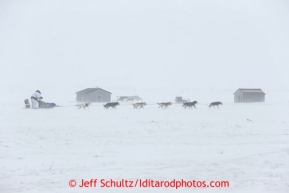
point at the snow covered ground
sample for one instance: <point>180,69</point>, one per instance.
<point>41,150</point>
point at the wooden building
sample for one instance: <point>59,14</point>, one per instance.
<point>128,98</point>
<point>93,95</point>
<point>247,95</point>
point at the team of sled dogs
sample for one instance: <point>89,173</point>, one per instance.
<point>163,105</point>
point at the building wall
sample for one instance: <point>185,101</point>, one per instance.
<point>79,97</point>
<point>238,97</point>
<point>99,96</point>
<point>254,97</point>
<point>93,97</point>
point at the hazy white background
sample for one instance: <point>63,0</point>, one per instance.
<point>203,50</point>
<point>61,47</point>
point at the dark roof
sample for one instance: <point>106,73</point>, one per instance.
<point>250,90</point>
<point>89,90</point>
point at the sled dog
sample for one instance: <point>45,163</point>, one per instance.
<point>213,104</point>
<point>164,105</point>
<point>189,104</point>
<point>83,105</point>
<point>111,105</point>
<point>139,105</point>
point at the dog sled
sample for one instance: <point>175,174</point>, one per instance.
<point>42,104</point>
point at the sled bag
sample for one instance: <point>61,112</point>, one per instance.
<point>47,105</point>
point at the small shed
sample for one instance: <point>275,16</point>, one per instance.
<point>179,99</point>
<point>128,98</point>
<point>93,95</point>
<point>248,95</point>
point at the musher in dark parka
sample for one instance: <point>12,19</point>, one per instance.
<point>35,99</point>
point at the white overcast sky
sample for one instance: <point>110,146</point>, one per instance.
<point>149,43</point>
